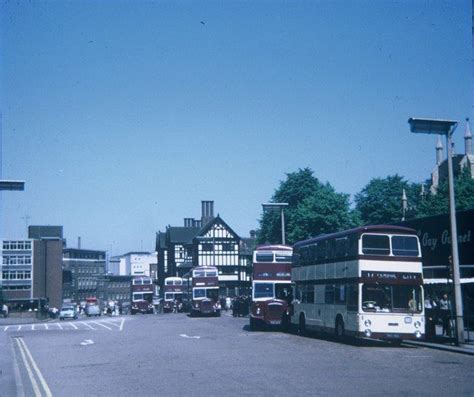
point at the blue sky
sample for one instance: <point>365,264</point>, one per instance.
<point>122,116</point>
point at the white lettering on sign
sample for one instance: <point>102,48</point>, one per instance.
<point>432,242</point>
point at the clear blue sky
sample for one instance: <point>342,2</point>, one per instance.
<point>122,117</point>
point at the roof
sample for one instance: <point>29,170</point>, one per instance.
<point>358,230</point>
<point>137,253</point>
<point>181,234</point>
<point>216,220</point>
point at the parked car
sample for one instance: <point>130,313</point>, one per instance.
<point>67,312</point>
<point>93,310</point>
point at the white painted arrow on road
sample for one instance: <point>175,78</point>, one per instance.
<point>190,337</point>
<point>87,342</point>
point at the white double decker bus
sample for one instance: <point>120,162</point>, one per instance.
<point>364,282</point>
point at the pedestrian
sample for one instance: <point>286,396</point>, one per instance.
<point>445,307</point>
<point>5,310</point>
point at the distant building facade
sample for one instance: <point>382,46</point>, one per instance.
<point>115,288</point>
<point>136,263</point>
<point>31,269</point>
<point>460,161</point>
<point>209,241</point>
<point>84,268</point>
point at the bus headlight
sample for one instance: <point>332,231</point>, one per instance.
<point>368,333</point>
<point>418,334</point>
<point>367,323</point>
<point>258,311</point>
<point>417,324</point>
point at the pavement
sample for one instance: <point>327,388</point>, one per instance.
<point>446,344</point>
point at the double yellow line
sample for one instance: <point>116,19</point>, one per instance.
<point>33,370</point>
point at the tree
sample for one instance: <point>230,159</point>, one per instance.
<point>435,204</point>
<point>313,208</point>
<point>380,201</point>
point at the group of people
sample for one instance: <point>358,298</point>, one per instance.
<point>241,305</point>
<point>438,310</point>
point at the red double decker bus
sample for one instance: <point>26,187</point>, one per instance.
<point>142,295</point>
<point>203,291</point>
<point>173,294</point>
<point>271,285</point>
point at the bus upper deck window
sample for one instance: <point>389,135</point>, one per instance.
<point>375,244</point>
<point>264,257</point>
<point>405,246</point>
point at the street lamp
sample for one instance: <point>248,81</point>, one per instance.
<point>281,206</point>
<point>447,127</point>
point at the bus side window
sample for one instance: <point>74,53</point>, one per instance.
<point>352,296</point>
<point>329,294</point>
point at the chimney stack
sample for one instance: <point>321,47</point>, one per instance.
<point>79,242</point>
<point>207,212</point>
<point>253,234</point>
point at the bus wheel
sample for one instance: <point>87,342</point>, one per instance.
<point>253,324</point>
<point>302,325</point>
<point>339,328</point>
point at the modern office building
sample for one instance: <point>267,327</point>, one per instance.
<point>31,269</point>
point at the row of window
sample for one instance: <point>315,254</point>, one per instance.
<point>16,287</point>
<point>334,294</point>
<point>340,248</point>
<point>89,270</point>
<point>16,245</point>
<point>16,275</point>
<point>17,260</point>
<point>225,247</point>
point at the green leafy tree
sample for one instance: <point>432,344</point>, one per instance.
<point>313,208</point>
<point>380,201</point>
<point>435,204</point>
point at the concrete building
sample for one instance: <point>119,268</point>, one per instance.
<point>115,288</point>
<point>31,269</point>
<point>137,263</point>
<point>83,267</point>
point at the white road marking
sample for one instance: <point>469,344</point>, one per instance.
<point>32,327</point>
<point>59,325</point>
<point>121,325</point>
<point>102,325</point>
<point>190,337</point>
<point>46,326</point>
<point>87,342</point>
<point>28,369</point>
<point>87,325</point>
<point>73,325</point>
<point>19,327</point>
<point>35,367</point>
<point>6,328</point>
<point>46,389</point>
<point>111,323</point>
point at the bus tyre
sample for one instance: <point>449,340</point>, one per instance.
<point>253,324</point>
<point>302,325</point>
<point>339,329</point>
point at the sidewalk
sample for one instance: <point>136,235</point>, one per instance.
<point>446,344</point>
<point>12,320</point>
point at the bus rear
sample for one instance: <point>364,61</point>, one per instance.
<point>271,285</point>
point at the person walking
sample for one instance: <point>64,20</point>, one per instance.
<point>5,310</point>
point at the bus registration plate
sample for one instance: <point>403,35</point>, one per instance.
<point>274,322</point>
<point>393,336</point>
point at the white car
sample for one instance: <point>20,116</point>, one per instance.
<point>67,312</point>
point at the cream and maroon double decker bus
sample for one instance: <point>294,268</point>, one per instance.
<point>203,291</point>
<point>173,294</point>
<point>271,285</point>
<point>365,282</point>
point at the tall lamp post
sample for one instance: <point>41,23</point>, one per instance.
<point>275,206</point>
<point>447,127</point>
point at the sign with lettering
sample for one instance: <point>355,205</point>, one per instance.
<point>391,277</point>
<point>435,238</point>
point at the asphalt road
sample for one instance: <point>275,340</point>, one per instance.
<point>174,355</point>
